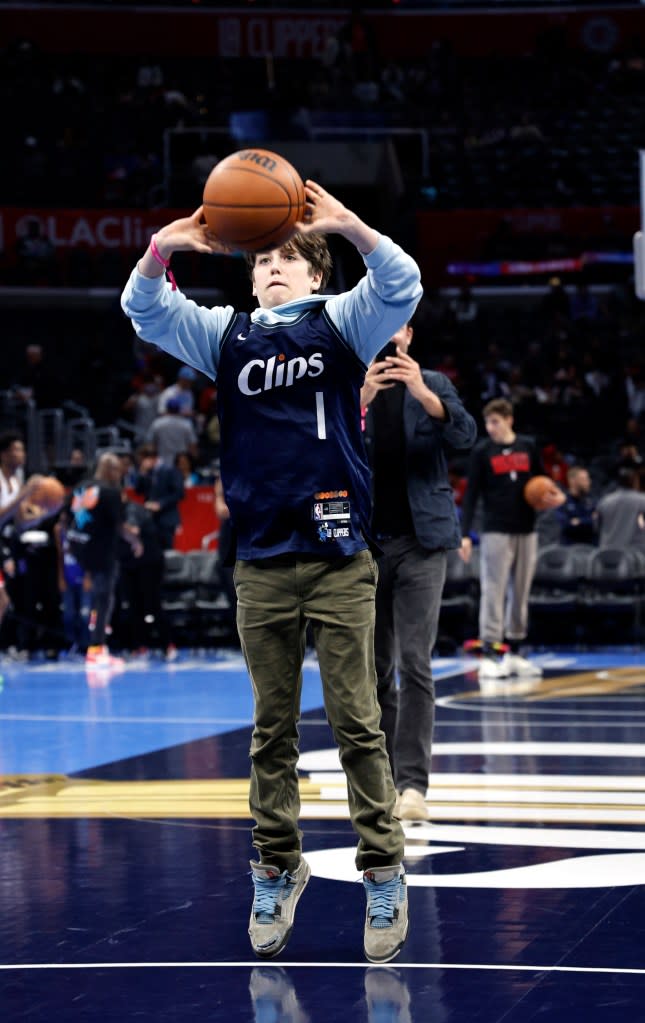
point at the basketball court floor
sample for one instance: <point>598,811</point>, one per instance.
<point>125,840</point>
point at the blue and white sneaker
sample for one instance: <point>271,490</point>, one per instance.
<point>386,918</point>
<point>274,906</point>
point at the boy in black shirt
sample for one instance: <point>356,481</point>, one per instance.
<point>500,466</point>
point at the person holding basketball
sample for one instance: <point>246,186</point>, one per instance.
<point>289,377</point>
<point>500,466</point>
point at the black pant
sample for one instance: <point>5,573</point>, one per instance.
<point>36,621</point>
<point>142,584</point>
<point>103,587</point>
<point>408,601</point>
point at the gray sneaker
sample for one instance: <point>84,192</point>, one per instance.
<point>386,918</point>
<point>274,906</point>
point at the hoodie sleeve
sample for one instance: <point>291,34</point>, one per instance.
<point>174,323</point>
<point>382,301</point>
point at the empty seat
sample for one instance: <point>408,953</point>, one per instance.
<point>458,601</point>
<point>555,598</point>
<point>214,616</point>
<point>179,593</point>
<point>612,600</point>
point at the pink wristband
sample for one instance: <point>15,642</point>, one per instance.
<point>165,263</point>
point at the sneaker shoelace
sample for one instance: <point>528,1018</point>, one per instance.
<point>382,901</point>
<point>267,893</point>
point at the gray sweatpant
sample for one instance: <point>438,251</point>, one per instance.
<point>507,566</point>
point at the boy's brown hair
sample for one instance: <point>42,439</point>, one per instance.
<point>312,247</point>
<point>498,407</point>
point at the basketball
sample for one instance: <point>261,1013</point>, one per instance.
<point>253,199</point>
<point>49,494</point>
<point>537,491</point>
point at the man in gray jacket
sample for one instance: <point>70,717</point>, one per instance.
<point>413,418</point>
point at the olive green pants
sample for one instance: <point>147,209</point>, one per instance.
<point>276,597</point>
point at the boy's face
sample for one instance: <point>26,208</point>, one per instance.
<point>499,428</point>
<point>282,275</point>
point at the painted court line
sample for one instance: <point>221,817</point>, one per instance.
<point>172,965</point>
<point>93,719</point>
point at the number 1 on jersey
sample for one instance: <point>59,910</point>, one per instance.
<point>320,415</point>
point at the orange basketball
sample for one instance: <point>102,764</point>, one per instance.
<point>50,493</point>
<point>253,199</point>
<point>538,489</point>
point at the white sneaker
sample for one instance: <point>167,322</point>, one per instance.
<point>517,665</point>
<point>490,667</point>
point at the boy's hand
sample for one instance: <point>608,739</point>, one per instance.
<point>189,234</point>
<point>327,215</point>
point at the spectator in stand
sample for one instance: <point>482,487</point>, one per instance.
<point>635,387</point>
<point>128,468</point>
<point>37,381</point>
<point>519,391</point>
<point>98,524</point>
<point>185,463</point>
<point>181,393</point>
<point>555,464</point>
<point>13,489</point>
<point>576,515</point>
<point>171,433</point>
<point>29,569</point>
<point>140,580</point>
<point>620,515</point>
<point>143,405</point>
<point>74,585</point>
<point>629,456</point>
<point>634,438</point>
<point>493,373</point>
<point>162,488</point>
<point>12,462</point>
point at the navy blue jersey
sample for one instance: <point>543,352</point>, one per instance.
<point>294,468</point>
